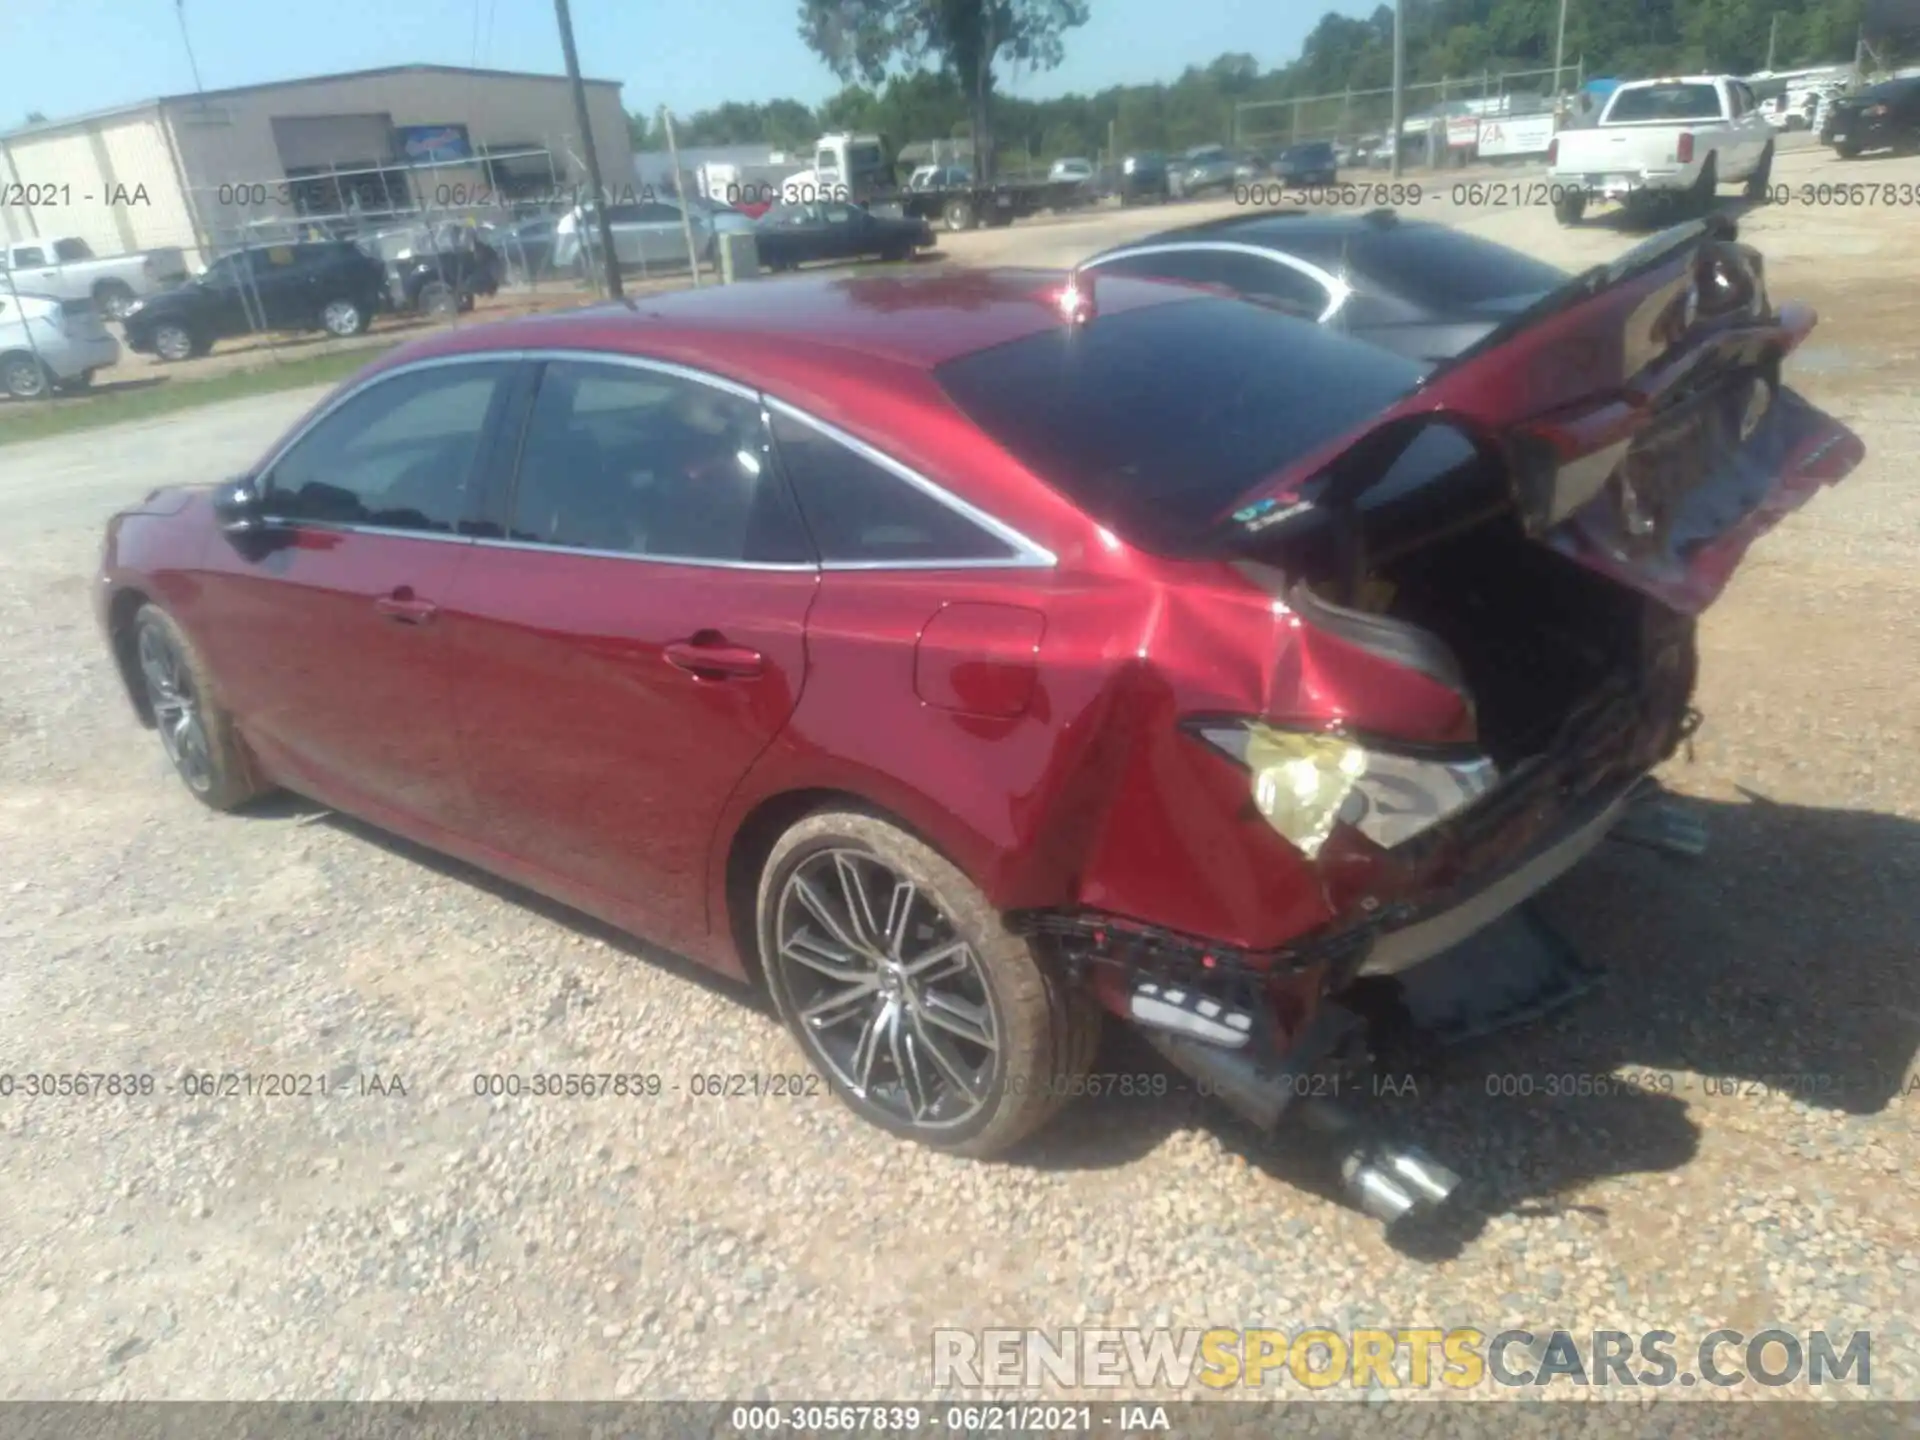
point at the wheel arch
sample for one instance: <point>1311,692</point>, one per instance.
<point>760,829</point>
<point>126,604</point>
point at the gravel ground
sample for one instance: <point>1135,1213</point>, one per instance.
<point>415,1241</point>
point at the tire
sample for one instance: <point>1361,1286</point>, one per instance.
<point>195,731</point>
<point>114,297</point>
<point>959,215</point>
<point>174,343</point>
<point>1847,152</point>
<point>1760,183</point>
<point>1044,1033</point>
<point>437,298</point>
<point>1570,208</point>
<point>1705,195</point>
<point>24,377</point>
<point>342,316</point>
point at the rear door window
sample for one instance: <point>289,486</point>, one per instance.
<point>860,512</point>
<point>627,460</point>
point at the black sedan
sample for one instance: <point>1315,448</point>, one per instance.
<point>1883,117</point>
<point>790,235</point>
<point>1419,289</point>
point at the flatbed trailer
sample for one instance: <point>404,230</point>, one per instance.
<point>970,207</point>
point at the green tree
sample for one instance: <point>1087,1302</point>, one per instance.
<point>962,39</point>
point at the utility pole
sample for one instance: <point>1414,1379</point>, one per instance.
<point>1399,84</point>
<point>601,200</point>
<point>1559,48</point>
<point>1773,35</point>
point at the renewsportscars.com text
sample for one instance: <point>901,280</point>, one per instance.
<point>1415,1358</point>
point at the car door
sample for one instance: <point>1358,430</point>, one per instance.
<point>797,233</point>
<point>227,306</point>
<point>283,285</point>
<point>662,238</point>
<point>846,232</point>
<point>33,270</point>
<point>635,640</point>
<point>329,627</point>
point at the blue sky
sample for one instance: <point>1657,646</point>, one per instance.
<point>84,55</point>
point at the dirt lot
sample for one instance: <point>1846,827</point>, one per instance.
<point>433,1244</point>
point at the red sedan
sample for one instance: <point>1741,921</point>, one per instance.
<point>977,655</point>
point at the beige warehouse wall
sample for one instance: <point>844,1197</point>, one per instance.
<point>230,139</point>
<point>111,182</point>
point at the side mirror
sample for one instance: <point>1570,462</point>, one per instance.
<point>238,506</point>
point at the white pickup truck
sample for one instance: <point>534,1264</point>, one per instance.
<point>1673,141</point>
<point>64,267</point>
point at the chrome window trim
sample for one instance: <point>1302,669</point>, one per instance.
<point>431,362</point>
<point>1028,554</point>
<point>548,547</point>
<point>1337,289</point>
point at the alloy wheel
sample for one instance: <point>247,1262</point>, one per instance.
<point>176,710</point>
<point>886,993</point>
<point>341,317</point>
<point>173,343</point>
<point>24,378</point>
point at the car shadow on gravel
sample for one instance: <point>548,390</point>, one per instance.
<point>287,806</point>
<point>1657,217</point>
<point>1782,966</point>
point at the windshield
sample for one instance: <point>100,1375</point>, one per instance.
<point>1665,102</point>
<point>1155,420</point>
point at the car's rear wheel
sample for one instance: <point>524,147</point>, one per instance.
<point>23,376</point>
<point>114,298</point>
<point>1759,184</point>
<point>175,342</point>
<point>197,734</point>
<point>1569,207</point>
<point>926,1015</point>
<point>343,317</point>
<point>959,215</point>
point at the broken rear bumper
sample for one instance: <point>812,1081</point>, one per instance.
<point>1441,929</point>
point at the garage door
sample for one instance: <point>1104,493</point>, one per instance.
<point>310,142</point>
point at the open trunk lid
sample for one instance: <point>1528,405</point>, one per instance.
<point>1638,411</point>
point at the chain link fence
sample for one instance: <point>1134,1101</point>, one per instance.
<point>1357,122</point>
<point>457,244</point>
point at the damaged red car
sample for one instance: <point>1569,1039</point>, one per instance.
<point>977,657</point>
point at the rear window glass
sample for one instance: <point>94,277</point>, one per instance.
<point>1447,270</point>
<point>1154,421</point>
<point>1666,102</point>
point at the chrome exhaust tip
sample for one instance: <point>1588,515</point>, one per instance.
<point>1384,1180</point>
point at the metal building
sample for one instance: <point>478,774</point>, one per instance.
<point>207,171</point>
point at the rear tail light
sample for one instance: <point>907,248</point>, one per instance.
<point>1553,151</point>
<point>1306,782</point>
<point>1683,152</point>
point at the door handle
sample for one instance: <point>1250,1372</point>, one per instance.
<point>404,607</point>
<point>715,661</point>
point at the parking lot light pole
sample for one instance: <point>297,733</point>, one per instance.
<point>1399,85</point>
<point>601,200</point>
